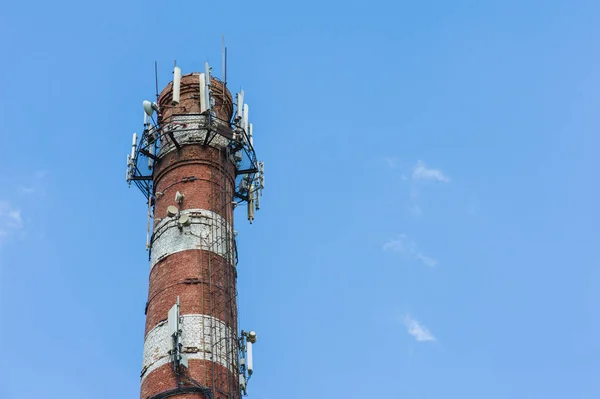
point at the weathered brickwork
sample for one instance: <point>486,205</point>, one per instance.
<point>163,379</point>
<point>185,274</point>
<point>193,171</point>
<point>189,98</point>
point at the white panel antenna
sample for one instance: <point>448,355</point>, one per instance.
<point>129,169</point>
<point>257,198</point>
<point>203,102</point>
<point>243,384</point>
<point>173,320</point>
<point>178,358</point>
<point>249,357</point>
<point>261,168</point>
<point>150,160</point>
<point>250,135</point>
<point>207,78</point>
<point>176,85</point>
<point>245,118</point>
<point>251,203</point>
<point>133,146</point>
<point>240,105</point>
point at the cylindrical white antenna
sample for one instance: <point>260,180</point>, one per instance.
<point>249,357</point>
<point>133,145</point>
<point>207,70</point>
<point>245,118</point>
<point>223,66</point>
<point>145,119</point>
<point>148,224</point>
<point>243,384</point>
<point>240,105</point>
<point>250,135</point>
<point>257,198</point>
<point>203,103</point>
<point>176,85</point>
<point>207,77</point>
<point>261,167</point>
<point>251,203</point>
<point>150,160</point>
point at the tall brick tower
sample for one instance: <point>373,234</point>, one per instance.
<point>195,162</point>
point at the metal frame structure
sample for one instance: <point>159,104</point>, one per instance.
<point>156,132</point>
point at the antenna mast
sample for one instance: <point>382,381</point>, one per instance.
<point>224,63</point>
<point>156,78</point>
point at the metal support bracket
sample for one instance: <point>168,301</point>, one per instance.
<point>245,171</point>
<point>141,177</point>
<point>175,143</point>
<point>149,155</point>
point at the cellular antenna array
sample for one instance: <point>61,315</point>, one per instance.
<point>195,161</point>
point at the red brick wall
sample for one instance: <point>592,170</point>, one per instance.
<point>163,379</point>
<point>185,274</point>
<point>189,100</point>
<point>207,165</point>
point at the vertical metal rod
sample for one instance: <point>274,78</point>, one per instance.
<point>148,226</point>
<point>223,66</point>
<point>156,78</point>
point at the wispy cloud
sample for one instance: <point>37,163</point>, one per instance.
<point>391,162</point>
<point>415,210</point>
<point>26,190</point>
<point>10,220</point>
<point>10,217</point>
<point>426,260</point>
<point>404,245</point>
<point>41,174</point>
<point>422,172</point>
<point>401,244</point>
<point>36,184</point>
<point>417,330</point>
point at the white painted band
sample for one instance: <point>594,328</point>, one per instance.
<point>191,129</point>
<point>203,337</point>
<point>208,231</point>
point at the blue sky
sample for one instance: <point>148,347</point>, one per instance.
<point>429,223</point>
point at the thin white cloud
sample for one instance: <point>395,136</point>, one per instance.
<point>402,244</point>
<point>41,174</point>
<point>426,260</point>
<point>36,184</point>
<point>407,247</point>
<point>415,210</point>
<point>422,172</point>
<point>14,219</point>
<point>11,220</point>
<point>417,330</point>
<point>391,162</point>
<point>26,190</point>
